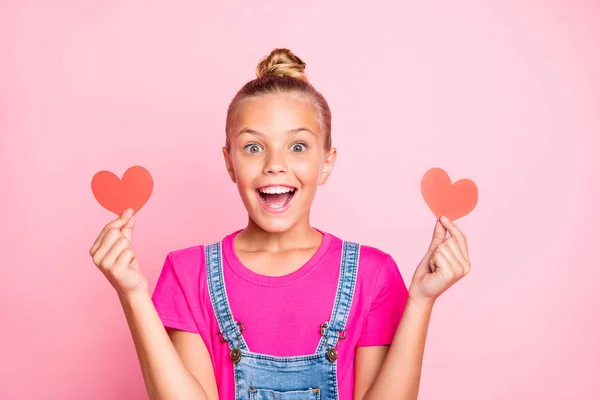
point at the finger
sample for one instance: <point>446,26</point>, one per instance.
<point>127,229</point>
<point>134,263</point>
<point>439,234</point>
<point>454,265</point>
<point>108,240</point>
<point>452,243</point>
<point>440,262</point>
<point>455,232</point>
<point>114,252</point>
<point>124,260</point>
<point>116,223</point>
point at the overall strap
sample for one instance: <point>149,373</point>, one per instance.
<point>335,328</point>
<point>229,330</point>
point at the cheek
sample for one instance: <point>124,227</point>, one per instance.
<point>246,170</point>
<point>308,171</point>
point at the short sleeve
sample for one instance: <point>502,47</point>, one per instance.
<point>386,308</point>
<point>171,301</point>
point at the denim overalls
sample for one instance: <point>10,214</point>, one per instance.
<point>265,377</point>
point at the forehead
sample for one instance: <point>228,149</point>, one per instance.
<point>276,114</point>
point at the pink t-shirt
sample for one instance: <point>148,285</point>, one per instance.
<point>282,315</point>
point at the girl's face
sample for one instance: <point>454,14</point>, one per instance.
<point>277,159</point>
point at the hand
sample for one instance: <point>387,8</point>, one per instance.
<point>113,255</point>
<point>445,263</point>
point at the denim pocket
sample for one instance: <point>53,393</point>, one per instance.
<point>266,394</point>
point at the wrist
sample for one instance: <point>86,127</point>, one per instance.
<point>134,296</point>
<point>420,302</point>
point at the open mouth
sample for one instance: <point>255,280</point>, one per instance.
<point>276,197</point>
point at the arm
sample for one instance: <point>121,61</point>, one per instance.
<point>194,354</point>
<point>165,374</point>
<point>367,363</point>
<point>445,263</point>
<point>400,373</point>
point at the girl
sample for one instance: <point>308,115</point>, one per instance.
<point>279,309</point>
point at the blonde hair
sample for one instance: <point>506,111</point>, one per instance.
<point>281,72</point>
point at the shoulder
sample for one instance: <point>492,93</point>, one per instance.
<point>369,254</point>
<point>380,283</point>
<point>373,255</point>
<point>184,269</point>
<point>188,260</point>
<point>373,261</point>
<point>186,252</point>
<point>380,268</point>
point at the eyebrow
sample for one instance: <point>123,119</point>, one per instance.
<point>290,132</point>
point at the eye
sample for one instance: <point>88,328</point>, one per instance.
<point>252,148</point>
<point>298,147</point>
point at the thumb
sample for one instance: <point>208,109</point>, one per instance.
<point>127,229</point>
<point>439,235</point>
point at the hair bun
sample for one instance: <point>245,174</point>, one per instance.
<point>281,62</point>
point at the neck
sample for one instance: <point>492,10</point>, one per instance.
<point>255,238</point>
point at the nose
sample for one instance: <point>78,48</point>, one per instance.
<point>275,163</point>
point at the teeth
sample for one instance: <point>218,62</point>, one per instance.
<point>276,190</point>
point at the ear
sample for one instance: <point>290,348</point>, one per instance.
<point>328,165</point>
<point>229,164</point>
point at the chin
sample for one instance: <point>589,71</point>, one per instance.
<point>274,225</point>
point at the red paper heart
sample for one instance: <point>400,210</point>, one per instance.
<point>117,195</point>
<point>444,198</point>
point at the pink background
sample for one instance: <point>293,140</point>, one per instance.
<point>506,93</point>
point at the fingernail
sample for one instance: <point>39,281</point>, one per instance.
<point>128,213</point>
<point>445,219</point>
